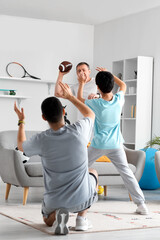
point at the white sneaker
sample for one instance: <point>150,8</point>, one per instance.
<point>142,209</point>
<point>82,224</point>
<point>59,226</point>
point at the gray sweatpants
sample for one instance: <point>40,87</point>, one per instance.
<point>118,158</point>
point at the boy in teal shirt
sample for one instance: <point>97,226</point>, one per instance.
<point>107,138</point>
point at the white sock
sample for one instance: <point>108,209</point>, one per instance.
<point>81,217</point>
<point>141,204</point>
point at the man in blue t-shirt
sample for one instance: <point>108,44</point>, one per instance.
<point>107,138</point>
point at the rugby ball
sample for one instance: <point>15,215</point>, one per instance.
<point>65,66</point>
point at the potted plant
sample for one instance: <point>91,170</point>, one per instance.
<point>154,142</point>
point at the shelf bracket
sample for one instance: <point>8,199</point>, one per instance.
<point>49,88</point>
<point>19,102</point>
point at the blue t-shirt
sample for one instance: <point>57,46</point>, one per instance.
<point>107,133</point>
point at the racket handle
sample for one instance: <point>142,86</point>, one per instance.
<point>34,77</point>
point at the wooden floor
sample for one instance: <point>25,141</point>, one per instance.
<point>12,230</point>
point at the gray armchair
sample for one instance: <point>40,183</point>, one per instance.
<point>13,171</point>
<point>108,174</point>
<point>157,164</point>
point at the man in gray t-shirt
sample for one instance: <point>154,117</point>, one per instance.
<point>69,186</point>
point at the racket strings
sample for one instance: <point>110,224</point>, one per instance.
<point>15,69</point>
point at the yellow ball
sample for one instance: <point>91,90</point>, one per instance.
<point>100,190</point>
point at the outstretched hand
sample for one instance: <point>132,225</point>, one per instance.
<point>93,96</point>
<point>101,69</point>
<point>19,113</point>
<point>67,93</point>
<point>82,78</point>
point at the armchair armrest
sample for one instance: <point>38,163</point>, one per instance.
<point>137,158</point>
<point>7,169</point>
<point>12,170</point>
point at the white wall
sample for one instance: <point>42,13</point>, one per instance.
<point>136,35</point>
<point>40,46</point>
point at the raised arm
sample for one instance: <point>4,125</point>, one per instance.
<point>67,94</point>
<point>58,92</point>
<point>82,80</point>
<point>80,92</point>
<point>21,131</point>
<point>118,81</point>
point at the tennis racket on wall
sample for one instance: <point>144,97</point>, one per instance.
<point>15,69</point>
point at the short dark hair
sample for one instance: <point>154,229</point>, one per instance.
<point>83,63</point>
<point>52,109</point>
<point>105,81</point>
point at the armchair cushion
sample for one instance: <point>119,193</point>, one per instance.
<point>34,169</point>
<point>107,168</point>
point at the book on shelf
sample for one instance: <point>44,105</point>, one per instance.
<point>7,91</point>
<point>133,111</point>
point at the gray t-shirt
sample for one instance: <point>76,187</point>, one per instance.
<point>65,163</point>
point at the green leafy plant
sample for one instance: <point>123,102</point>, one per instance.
<point>153,142</point>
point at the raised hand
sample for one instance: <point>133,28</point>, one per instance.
<point>67,93</point>
<point>93,96</point>
<point>19,113</point>
<point>82,78</point>
<point>101,69</point>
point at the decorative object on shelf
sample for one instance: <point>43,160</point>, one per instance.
<point>119,75</point>
<point>12,92</point>
<point>131,90</point>
<point>135,74</point>
<point>8,91</point>
<point>15,69</point>
<point>65,66</point>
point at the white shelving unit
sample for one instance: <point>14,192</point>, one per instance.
<point>137,111</point>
